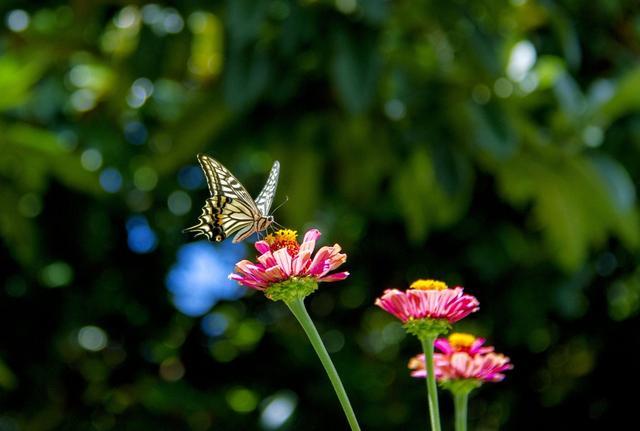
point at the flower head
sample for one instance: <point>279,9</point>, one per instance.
<point>463,357</point>
<point>428,301</point>
<point>282,260</point>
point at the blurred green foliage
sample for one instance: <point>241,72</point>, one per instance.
<point>494,144</point>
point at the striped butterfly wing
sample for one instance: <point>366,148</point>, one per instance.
<point>265,198</point>
<point>230,208</point>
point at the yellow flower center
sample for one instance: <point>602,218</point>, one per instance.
<point>423,284</point>
<point>459,340</point>
<point>284,238</point>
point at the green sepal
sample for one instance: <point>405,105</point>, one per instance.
<point>291,289</point>
<point>427,328</point>
<point>461,386</point>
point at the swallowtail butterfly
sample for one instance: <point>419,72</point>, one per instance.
<point>230,208</point>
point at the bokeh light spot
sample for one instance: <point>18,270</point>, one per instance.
<point>171,369</point>
<point>593,136</point>
<point>111,180</point>
<point>278,409</point>
<point>172,21</point>
<point>57,274</point>
<point>242,400</point>
<point>17,20</point>
<point>141,90</point>
<point>91,159</point>
<point>135,132</point>
<point>523,57</point>
<point>92,338</point>
<point>395,109</point>
<point>151,13</point>
<point>179,202</point>
<point>503,87</point>
<point>141,238</point>
<point>481,94</point>
<point>127,17</point>
<point>145,178</point>
<point>214,324</point>
<point>248,333</point>
<point>83,100</point>
<point>191,177</point>
<point>198,279</point>
<point>347,6</point>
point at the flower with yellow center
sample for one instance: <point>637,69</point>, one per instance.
<point>289,271</point>
<point>459,340</point>
<point>283,238</point>
<point>428,284</point>
<point>428,304</point>
<point>427,309</point>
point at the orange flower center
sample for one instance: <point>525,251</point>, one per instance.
<point>423,284</point>
<point>460,341</point>
<point>284,238</point>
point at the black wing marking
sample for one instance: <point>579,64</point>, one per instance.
<point>265,198</point>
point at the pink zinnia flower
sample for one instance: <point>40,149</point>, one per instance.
<point>428,299</point>
<point>282,258</point>
<point>462,356</point>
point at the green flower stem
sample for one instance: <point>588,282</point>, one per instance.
<point>460,400</point>
<point>300,312</point>
<point>432,389</point>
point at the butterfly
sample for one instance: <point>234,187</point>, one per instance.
<point>230,208</point>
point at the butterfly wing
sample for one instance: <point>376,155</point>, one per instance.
<point>229,209</point>
<point>221,182</point>
<point>265,198</point>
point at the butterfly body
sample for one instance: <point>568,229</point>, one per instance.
<point>230,209</point>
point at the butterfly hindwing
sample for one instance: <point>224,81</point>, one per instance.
<point>210,220</point>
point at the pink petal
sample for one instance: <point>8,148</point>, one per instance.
<point>334,277</point>
<point>283,258</point>
<point>274,274</point>
<point>301,262</point>
<point>311,235</point>
<point>267,259</point>
<point>320,265</point>
<point>262,247</point>
<point>443,345</point>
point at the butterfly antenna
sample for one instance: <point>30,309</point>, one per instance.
<point>286,199</point>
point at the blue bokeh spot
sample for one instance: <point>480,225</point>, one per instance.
<point>198,279</point>
<point>111,180</point>
<point>135,132</point>
<point>191,177</point>
<point>140,237</point>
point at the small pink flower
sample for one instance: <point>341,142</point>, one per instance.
<point>282,258</point>
<point>428,299</point>
<point>463,357</point>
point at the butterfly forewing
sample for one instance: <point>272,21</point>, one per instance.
<point>222,182</point>
<point>265,198</point>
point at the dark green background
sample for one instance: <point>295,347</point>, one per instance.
<point>491,144</point>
